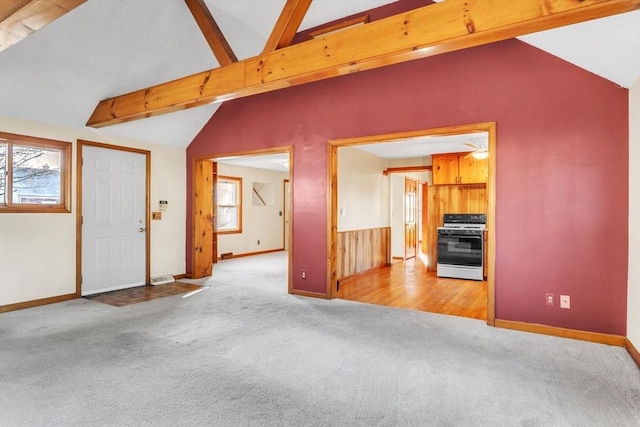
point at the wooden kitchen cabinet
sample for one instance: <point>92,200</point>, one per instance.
<point>459,168</point>
<point>472,170</point>
<point>445,169</point>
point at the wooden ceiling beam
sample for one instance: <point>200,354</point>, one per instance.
<point>425,31</point>
<point>287,25</point>
<point>339,26</point>
<point>21,18</point>
<point>212,33</point>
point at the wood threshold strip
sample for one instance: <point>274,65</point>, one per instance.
<point>287,25</point>
<point>212,33</point>
<point>617,340</point>
<point>429,30</point>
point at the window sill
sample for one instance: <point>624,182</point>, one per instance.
<point>34,209</point>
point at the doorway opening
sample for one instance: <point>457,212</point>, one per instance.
<point>241,207</point>
<point>418,146</point>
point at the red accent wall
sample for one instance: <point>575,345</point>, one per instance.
<point>561,174</point>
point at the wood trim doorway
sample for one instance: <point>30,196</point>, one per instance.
<point>332,203</point>
<point>202,210</point>
<point>147,154</point>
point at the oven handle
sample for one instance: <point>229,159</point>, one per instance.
<point>474,236</point>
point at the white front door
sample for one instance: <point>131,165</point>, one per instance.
<point>113,219</point>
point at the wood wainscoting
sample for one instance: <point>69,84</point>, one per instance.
<point>444,199</point>
<point>362,250</point>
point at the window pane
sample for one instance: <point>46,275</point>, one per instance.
<point>227,193</point>
<point>36,175</point>
<point>3,170</point>
<point>227,218</point>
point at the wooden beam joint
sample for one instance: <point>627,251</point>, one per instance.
<point>211,31</point>
<point>287,25</point>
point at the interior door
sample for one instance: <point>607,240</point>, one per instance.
<point>410,214</point>
<point>113,219</point>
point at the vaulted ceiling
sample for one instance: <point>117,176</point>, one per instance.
<point>105,48</point>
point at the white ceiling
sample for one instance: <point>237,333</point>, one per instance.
<point>608,47</point>
<point>425,146</point>
<point>106,48</point>
<point>278,162</point>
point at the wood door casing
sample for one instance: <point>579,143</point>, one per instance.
<point>79,212</point>
<point>202,229</point>
<point>214,212</point>
<point>286,213</point>
<point>490,198</point>
<point>424,247</point>
<point>410,217</point>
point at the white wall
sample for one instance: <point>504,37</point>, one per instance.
<point>38,251</point>
<point>369,199</point>
<point>363,191</point>
<point>262,223</point>
<point>415,161</point>
<point>633,292</point>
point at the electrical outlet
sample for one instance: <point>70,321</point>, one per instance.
<point>304,274</point>
<point>258,241</point>
<point>565,301</point>
<point>549,298</point>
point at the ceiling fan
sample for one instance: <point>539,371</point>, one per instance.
<point>480,150</point>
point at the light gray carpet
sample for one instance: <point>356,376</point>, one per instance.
<point>245,353</point>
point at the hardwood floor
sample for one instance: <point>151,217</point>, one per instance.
<point>408,284</point>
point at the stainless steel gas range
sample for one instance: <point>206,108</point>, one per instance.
<point>461,246</point>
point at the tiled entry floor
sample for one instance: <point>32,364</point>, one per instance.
<point>142,293</point>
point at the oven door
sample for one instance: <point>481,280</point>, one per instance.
<point>455,249</point>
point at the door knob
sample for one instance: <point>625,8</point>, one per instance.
<point>142,230</point>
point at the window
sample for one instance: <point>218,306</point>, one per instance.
<point>34,174</point>
<point>229,204</point>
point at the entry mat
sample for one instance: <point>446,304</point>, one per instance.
<point>142,293</point>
